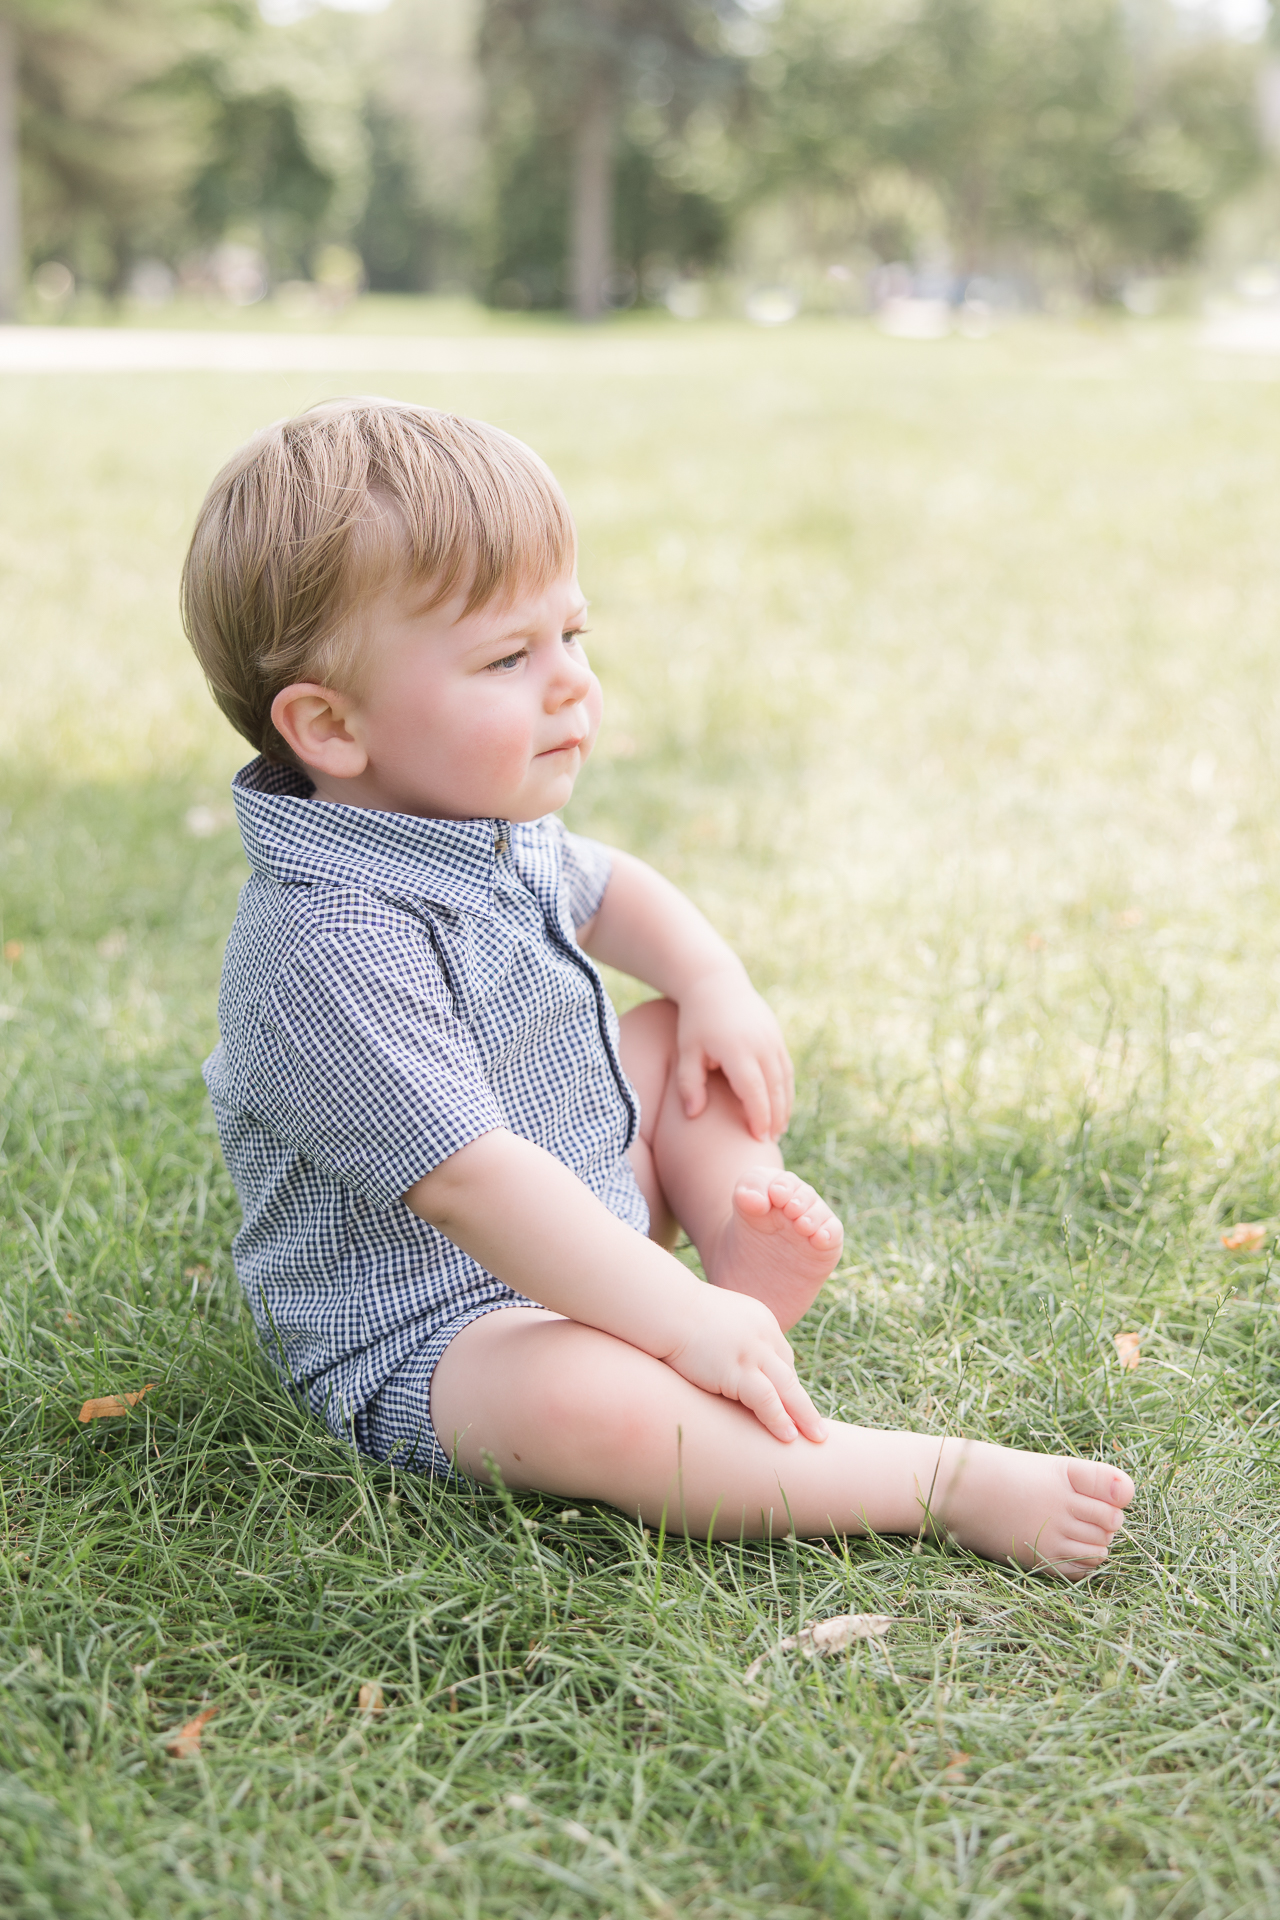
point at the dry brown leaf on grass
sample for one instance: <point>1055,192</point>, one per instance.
<point>185,1743</point>
<point>371,1700</point>
<point>1128,1350</point>
<point>827,1636</point>
<point>112,1405</point>
<point>1246,1238</point>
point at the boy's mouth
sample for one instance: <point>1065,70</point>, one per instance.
<point>566,746</point>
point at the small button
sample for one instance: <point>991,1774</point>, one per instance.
<point>499,842</point>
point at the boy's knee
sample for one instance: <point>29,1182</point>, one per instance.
<point>648,1049</point>
<point>653,1022</point>
<point>607,1421</point>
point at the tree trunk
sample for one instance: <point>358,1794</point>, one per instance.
<point>10,223</point>
<point>591,236</point>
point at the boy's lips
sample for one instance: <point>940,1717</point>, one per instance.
<point>566,746</point>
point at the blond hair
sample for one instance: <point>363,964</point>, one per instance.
<point>317,512</point>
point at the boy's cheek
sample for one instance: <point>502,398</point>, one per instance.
<point>594,704</point>
<point>503,753</point>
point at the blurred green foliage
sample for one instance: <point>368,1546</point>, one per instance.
<point>151,127</point>
<point>436,138</point>
<point>652,65</point>
<point>1064,127</point>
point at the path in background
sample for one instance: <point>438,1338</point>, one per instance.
<point>156,350</point>
<point>1253,333</point>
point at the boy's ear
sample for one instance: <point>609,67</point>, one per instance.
<point>314,722</point>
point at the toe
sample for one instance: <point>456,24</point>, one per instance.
<point>1089,1555</point>
<point>1083,1534</point>
<point>751,1198</point>
<point>1097,1480</point>
<point>1074,1558</point>
<point>1077,1569</point>
<point>1095,1516</point>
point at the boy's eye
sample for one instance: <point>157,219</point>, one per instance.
<point>507,662</point>
<point>573,633</point>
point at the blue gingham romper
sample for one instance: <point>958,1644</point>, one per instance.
<point>394,987</point>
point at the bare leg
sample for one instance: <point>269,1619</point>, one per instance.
<point>574,1412</point>
<point>758,1229</point>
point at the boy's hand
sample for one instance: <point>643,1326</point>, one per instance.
<point>646,927</point>
<point>735,1347</point>
<point>724,1023</point>
<point>558,1244</point>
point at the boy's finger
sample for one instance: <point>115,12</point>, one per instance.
<point>775,1066</point>
<point>762,1398</point>
<point>691,1081</point>
<point>748,1082</point>
<point>801,1409</point>
<point>781,1107</point>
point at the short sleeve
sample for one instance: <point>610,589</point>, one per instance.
<point>587,865</point>
<point>363,1065</point>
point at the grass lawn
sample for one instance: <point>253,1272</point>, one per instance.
<point>943,677</point>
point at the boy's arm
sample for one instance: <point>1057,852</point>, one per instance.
<point>549,1237</point>
<point>645,927</point>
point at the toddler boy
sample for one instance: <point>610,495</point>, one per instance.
<point>461,1174</point>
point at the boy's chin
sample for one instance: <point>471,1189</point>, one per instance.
<point>548,798</point>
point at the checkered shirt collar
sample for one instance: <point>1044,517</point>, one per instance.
<point>291,838</point>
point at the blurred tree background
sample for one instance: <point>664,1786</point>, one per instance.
<point>598,153</point>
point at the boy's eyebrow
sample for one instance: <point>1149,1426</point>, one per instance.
<point>515,632</point>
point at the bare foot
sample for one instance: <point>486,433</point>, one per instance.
<point>1039,1509</point>
<point>779,1243</point>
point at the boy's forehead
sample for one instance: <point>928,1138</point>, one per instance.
<point>524,596</point>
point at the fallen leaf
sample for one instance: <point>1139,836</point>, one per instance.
<point>112,1405</point>
<point>1246,1238</point>
<point>185,1743</point>
<point>827,1636</point>
<point>1128,1350</point>
<point>371,1700</point>
<point>956,1764</point>
<point>12,950</point>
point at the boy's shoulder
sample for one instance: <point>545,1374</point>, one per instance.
<point>294,840</point>
<point>285,934</point>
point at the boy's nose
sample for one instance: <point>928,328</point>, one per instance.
<point>569,684</point>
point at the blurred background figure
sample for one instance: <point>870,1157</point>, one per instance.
<point>935,163</point>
